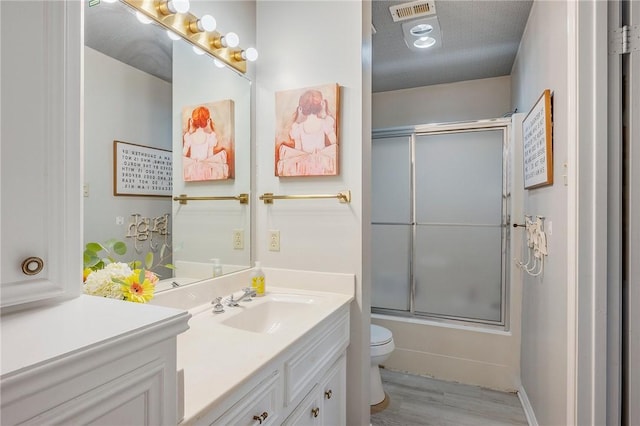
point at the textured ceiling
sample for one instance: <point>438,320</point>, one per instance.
<point>112,29</point>
<point>480,39</point>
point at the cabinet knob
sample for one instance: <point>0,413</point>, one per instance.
<point>328,394</point>
<point>262,417</point>
<point>315,412</point>
<point>32,265</point>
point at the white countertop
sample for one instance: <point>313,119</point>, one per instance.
<point>217,359</point>
<point>35,336</point>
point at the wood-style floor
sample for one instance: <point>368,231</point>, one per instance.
<point>416,401</point>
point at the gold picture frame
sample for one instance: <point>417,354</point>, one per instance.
<point>537,137</point>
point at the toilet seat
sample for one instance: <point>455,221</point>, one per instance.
<point>380,335</point>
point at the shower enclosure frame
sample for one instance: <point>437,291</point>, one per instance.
<point>502,124</point>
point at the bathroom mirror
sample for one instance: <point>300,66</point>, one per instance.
<point>141,88</point>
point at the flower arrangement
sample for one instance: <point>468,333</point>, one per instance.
<point>106,277</point>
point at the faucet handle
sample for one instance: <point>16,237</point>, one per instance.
<point>217,308</point>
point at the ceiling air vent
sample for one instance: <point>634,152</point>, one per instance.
<point>414,9</point>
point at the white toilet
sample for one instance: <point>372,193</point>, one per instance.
<point>381,347</point>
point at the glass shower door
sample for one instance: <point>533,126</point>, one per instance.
<point>391,223</point>
<point>459,186</point>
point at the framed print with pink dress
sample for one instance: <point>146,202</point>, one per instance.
<point>208,141</point>
<point>307,142</point>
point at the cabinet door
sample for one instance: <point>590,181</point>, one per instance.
<point>41,163</point>
<point>309,412</point>
<point>334,399</point>
<point>260,406</point>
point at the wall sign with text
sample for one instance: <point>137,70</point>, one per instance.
<point>538,144</point>
<point>141,170</point>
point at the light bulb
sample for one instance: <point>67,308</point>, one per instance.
<point>251,54</point>
<point>424,42</point>
<point>173,36</point>
<point>231,40</point>
<point>218,63</point>
<point>207,23</point>
<point>142,18</point>
<point>110,1</point>
<point>178,6</point>
<point>197,50</point>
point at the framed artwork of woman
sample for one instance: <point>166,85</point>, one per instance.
<point>208,144</point>
<point>307,131</point>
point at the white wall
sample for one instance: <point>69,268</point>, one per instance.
<point>204,229</point>
<point>442,103</point>
<point>125,104</point>
<point>320,235</point>
<point>465,354</point>
<point>542,63</point>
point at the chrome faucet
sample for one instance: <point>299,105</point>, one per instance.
<point>217,306</point>
<point>248,294</point>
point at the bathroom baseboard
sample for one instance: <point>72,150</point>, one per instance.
<point>526,406</point>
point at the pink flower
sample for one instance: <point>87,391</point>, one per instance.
<point>153,278</point>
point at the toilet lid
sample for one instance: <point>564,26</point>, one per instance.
<point>380,335</point>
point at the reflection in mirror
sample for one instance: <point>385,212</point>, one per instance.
<point>138,84</point>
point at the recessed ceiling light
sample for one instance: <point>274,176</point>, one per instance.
<point>421,30</point>
<point>424,42</point>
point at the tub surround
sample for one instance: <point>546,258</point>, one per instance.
<point>219,363</point>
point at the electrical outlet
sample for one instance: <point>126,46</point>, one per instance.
<point>274,240</point>
<point>119,220</point>
<point>85,190</point>
<point>238,239</point>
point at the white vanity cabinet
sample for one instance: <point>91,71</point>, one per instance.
<point>41,157</point>
<point>308,377</point>
<point>326,403</point>
<point>90,360</point>
<point>262,405</point>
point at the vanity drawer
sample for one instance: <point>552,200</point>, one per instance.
<point>261,405</point>
<point>303,370</point>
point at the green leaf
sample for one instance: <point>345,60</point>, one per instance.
<point>135,264</point>
<point>120,248</point>
<point>148,260</point>
<point>169,266</point>
<point>141,276</point>
<point>162,250</point>
<point>90,259</point>
<point>110,243</point>
<point>94,247</point>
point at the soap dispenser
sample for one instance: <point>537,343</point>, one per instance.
<point>217,267</point>
<point>258,280</point>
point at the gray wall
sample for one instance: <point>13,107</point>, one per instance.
<point>542,63</point>
<point>128,105</point>
<point>442,103</point>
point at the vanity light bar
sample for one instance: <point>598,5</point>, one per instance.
<point>183,24</point>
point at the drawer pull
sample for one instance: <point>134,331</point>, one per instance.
<point>262,417</point>
<point>315,412</point>
<point>328,394</point>
<point>32,265</point>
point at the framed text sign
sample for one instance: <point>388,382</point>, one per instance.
<point>141,170</point>
<point>538,144</point>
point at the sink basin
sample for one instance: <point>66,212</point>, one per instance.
<point>272,315</point>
